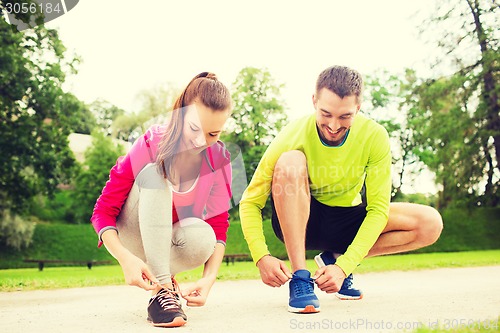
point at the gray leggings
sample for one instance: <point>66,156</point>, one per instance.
<point>145,228</point>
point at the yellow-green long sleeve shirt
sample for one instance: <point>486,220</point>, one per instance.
<point>336,176</point>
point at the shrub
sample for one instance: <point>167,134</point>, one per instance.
<point>15,232</point>
<point>99,159</point>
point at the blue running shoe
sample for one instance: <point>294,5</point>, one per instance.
<point>302,297</point>
<point>347,291</point>
<point>324,259</point>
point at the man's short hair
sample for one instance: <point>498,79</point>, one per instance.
<point>342,81</point>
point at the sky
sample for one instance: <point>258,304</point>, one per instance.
<point>129,46</point>
<point>126,49</point>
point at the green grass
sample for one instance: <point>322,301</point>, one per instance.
<point>56,241</point>
<point>487,325</point>
<point>59,277</point>
<point>463,231</point>
<point>69,277</point>
<point>468,230</point>
<point>406,262</point>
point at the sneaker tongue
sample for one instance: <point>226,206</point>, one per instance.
<point>303,273</point>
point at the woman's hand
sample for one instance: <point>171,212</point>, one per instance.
<point>137,273</point>
<point>197,294</point>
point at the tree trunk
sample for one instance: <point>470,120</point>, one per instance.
<point>489,95</point>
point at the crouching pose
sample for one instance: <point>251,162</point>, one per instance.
<point>165,206</point>
<point>314,171</point>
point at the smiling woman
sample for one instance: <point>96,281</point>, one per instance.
<point>165,207</point>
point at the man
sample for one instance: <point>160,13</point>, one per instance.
<point>314,170</point>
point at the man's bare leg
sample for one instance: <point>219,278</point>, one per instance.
<point>290,189</point>
<point>410,227</point>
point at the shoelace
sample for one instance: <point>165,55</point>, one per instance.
<point>302,288</point>
<point>168,299</point>
<point>347,282</point>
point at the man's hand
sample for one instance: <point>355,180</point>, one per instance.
<point>273,271</point>
<point>329,278</point>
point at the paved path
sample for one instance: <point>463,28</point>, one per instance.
<point>393,302</point>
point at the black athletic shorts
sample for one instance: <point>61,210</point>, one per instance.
<point>329,228</point>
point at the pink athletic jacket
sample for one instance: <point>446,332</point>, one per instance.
<point>213,188</point>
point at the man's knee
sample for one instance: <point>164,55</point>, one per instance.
<point>291,164</point>
<point>431,225</point>
<point>289,172</point>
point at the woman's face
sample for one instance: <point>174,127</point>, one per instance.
<point>202,127</point>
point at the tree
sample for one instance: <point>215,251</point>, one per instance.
<point>387,101</point>
<point>257,117</point>
<point>258,114</point>
<point>105,113</point>
<point>466,101</point>
<point>80,118</point>
<point>34,125</point>
<point>158,101</point>
<point>99,159</point>
<point>156,105</point>
<point>15,231</point>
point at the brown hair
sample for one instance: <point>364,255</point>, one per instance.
<point>342,81</point>
<point>204,88</point>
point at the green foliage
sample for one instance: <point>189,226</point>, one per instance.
<point>57,209</point>
<point>258,116</point>
<point>36,117</point>
<point>105,113</point>
<point>464,230</point>
<point>450,139</point>
<point>156,104</point>
<point>417,198</point>
<point>80,118</point>
<point>35,155</point>
<point>125,125</point>
<point>99,159</point>
<point>60,277</point>
<point>79,276</point>
<point>237,244</point>
<point>386,93</point>
<point>473,230</point>
<point>476,325</point>
<point>467,230</point>
<point>56,241</point>
<point>15,232</point>
<point>463,143</point>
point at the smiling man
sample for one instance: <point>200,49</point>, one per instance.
<point>314,171</point>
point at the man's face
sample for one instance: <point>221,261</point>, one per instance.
<point>334,115</point>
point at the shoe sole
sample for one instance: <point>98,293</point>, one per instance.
<point>177,322</point>
<point>319,261</point>
<point>348,298</point>
<point>320,264</point>
<point>307,309</point>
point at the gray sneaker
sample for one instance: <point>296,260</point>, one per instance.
<point>165,309</point>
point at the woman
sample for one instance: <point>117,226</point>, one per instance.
<point>165,206</point>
